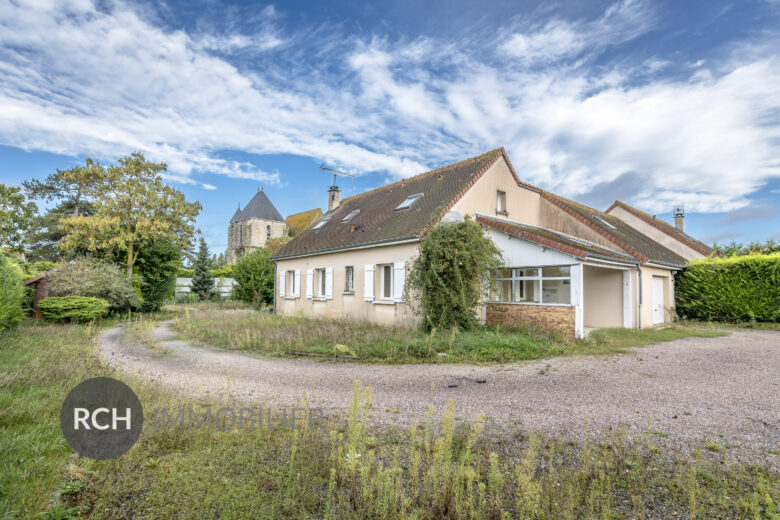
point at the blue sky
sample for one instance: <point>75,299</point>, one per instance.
<point>651,102</point>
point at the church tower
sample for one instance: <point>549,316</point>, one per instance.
<point>251,227</point>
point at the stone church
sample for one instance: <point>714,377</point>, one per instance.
<point>251,227</point>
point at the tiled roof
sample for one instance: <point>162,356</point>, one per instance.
<point>667,228</point>
<point>554,239</point>
<point>297,222</point>
<point>378,221</point>
<point>259,207</point>
<point>618,232</point>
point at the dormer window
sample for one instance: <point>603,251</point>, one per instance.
<point>350,216</point>
<point>409,201</point>
<point>320,224</point>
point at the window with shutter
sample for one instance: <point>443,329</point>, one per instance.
<point>329,283</point>
<point>309,283</point>
<point>297,283</point>
<point>399,280</point>
<point>282,283</point>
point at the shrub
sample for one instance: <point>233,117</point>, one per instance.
<point>11,293</point>
<point>449,275</point>
<point>202,279</point>
<point>97,279</point>
<point>185,273</point>
<point>73,308</point>
<point>223,271</point>
<point>254,276</point>
<point>740,288</point>
<point>158,263</point>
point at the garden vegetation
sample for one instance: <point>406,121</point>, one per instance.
<point>450,274</point>
<point>73,308</point>
<point>737,288</point>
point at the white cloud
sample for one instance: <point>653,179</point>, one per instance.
<point>78,80</point>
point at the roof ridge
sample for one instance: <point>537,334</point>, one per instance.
<point>429,172</point>
<point>666,227</point>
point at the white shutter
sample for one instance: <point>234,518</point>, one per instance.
<point>368,283</point>
<point>281,283</point>
<point>399,280</point>
<point>329,283</point>
<point>309,283</point>
<point>297,288</point>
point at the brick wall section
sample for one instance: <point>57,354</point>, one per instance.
<point>551,317</point>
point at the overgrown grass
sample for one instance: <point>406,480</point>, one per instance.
<point>437,469</point>
<point>756,325</point>
<point>39,364</point>
<point>289,335</point>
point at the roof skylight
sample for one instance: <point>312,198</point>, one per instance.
<point>601,219</point>
<point>409,201</point>
<point>320,224</point>
<point>350,216</point>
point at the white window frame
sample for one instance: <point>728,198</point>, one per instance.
<point>290,279</point>
<point>351,215</point>
<point>349,278</point>
<point>383,282</point>
<point>501,202</point>
<point>319,282</point>
<point>540,278</point>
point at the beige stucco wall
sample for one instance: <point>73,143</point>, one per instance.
<point>522,204</point>
<point>656,234</point>
<point>553,217</point>
<point>255,236</point>
<point>348,306</point>
<point>603,297</point>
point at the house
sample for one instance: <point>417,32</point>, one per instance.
<point>252,227</point>
<point>567,266</point>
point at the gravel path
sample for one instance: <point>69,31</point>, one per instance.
<point>725,389</point>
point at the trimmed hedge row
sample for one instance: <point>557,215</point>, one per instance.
<point>73,308</point>
<point>740,288</point>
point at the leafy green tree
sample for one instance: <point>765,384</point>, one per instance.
<point>46,232</point>
<point>16,216</point>
<point>449,275</point>
<point>135,207</point>
<point>202,279</point>
<point>77,185</point>
<point>254,276</point>
<point>737,249</point>
<point>158,264</point>
<point>11,293</point>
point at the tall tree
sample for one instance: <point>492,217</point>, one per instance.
<point>202,279</point>
<point>16,216</point>
<point>135,207</point>
<point>78,184</point>
<point>46,231</point>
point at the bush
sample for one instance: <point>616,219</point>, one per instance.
<point>223,271</point>
<point>254,276</point>
<point>97,279</point>
<point>185,273</point>
<point>449,275</point>
<point>73,308</point>
<point>741,288</point>
<point>158,263</point>
<point>11,293</point>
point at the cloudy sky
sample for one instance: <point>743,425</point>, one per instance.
<point>651,102</point>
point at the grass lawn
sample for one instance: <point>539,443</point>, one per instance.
<point>287,335</point>
<point>438,469</point>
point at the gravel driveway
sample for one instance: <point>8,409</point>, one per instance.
<point>680,393</point>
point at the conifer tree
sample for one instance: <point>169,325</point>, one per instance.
<point>202,279</point>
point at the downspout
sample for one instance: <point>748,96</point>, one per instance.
<point>639,314</point>
<point>274,288</point>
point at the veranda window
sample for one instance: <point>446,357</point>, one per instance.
<point>533,285</point>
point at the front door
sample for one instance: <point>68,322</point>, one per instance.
<point>658,300</point>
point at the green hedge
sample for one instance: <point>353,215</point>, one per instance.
<point>11,293</point>
<point>73,308</point>
<point>254,276</point>
<point>742,288</point>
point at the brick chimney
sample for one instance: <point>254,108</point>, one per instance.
<point>679,219</point>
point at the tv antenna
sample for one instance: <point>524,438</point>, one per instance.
<point>336,173</point>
